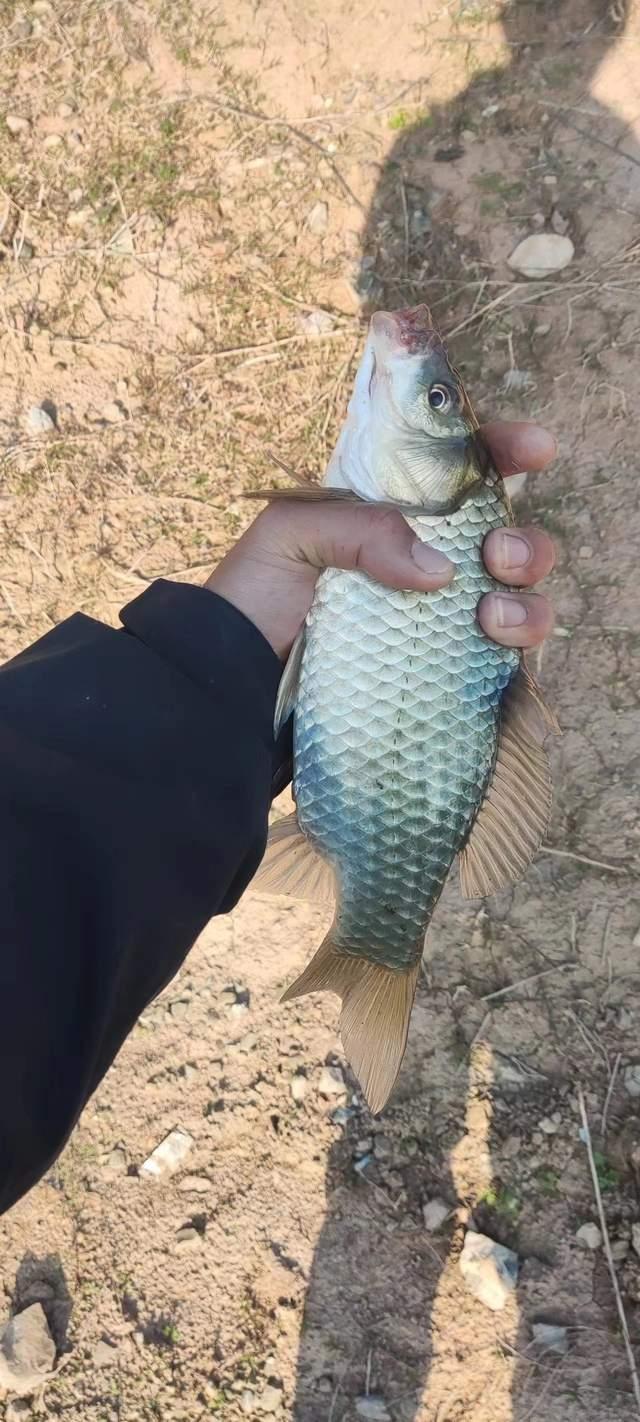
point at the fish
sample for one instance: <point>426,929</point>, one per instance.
<point>416,739</point>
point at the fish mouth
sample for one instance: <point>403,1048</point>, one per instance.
<point>410,331</point>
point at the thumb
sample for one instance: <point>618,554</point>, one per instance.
<point>376,541</point>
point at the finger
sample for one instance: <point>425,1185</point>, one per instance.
<point>516,620</point>
<point>518,445</point>
<point>374,541</point>
<point>519,556</point>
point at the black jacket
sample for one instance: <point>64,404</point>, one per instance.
<point>136,771</point>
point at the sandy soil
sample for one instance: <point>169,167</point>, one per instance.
<point>193,182</point>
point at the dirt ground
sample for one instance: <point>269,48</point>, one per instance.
<point>193,184</point>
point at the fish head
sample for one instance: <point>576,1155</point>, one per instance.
<point>411,434</point>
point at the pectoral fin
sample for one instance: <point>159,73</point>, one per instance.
<point>514,816</point>
<point>292,867</point>
<point>288,688</point>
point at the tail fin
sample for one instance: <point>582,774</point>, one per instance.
<point>374,1022</point>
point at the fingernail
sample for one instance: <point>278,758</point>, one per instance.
<point>510,612</point>
<point>430,560</point>
<point>516,552</point>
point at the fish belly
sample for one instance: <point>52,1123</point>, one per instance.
<point>396,730</point>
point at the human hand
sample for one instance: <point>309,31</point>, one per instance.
<point>271,573</point>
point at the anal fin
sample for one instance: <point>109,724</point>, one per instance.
<point>292,867</point>
<point>376,1010</point>
<point>514,816</point>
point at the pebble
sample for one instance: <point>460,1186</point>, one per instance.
<point>298,1087</point>
<point>631,1079</point>
<point>270,1399</point>
<point>247,1402</point>
<point>619,1250</point>
<point>331,1082</point>
<point>194,1185</point>
<point>168,1156</point>
<point>41,7</point>
<point>39,421</point>
<point>27,1351</point>
<point>552,1336</point>
<point>363,1146</point>
<point>104,1355</point>
<point>188,1240</point>
<point>585,551</point>
<point>434,1214</point>
<point>238,1010</point>
<point>24,251</point>
<point>65,110</point>
<point>490,1270</point>
<point>542,254</point>
<point>53,140</point>
<point>113,412</point>
<point>589,1236</point>
<point>635,1238</point>
<point>316,323</point>
<point>548,1126</point>
<point>318,219</point>
<point>117,1160</point>
<point>16,124</point>
<point>372,1409</point>
<point>550,180</point>
<point>79,217</point>
<point>538,219</point>
<point>543,329</point>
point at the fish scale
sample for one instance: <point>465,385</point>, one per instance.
<point>396,728</point>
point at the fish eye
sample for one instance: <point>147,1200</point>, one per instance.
<point>441,399</point>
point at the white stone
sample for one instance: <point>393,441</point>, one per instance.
<point>542,254</point>
<point>372,1409</point>
<point>27,1351</point>
<point>434,1214</point>
<point>16,124</point>
<point>79,217</point>
<point>490,1270</point>
<point>551,1336</point>
<point>298,1087</point>
<point>194,1185</point>
<point>548,1126</point>
<point>52,140</point>
<point>589,1236</point>
<point>316,323</point>
<point>270,1399</point>
<point>331,1082</point>
<point>39,421</point>
<point>631,1079</point>
<point>168,1156</point>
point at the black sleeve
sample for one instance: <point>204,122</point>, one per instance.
<point>136,772</point>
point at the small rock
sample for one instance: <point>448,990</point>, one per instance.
<point>635,1238</point>
<point>543,329</point>
<point>113,412</point>
<point>316,323</point>
<point>41,7</point>
<point>104,1355</point>
<point>589,1236</point>
<point>298,1087</point>
<point>247,1402</point>
<point>331,1082</point>
<point>372,1409</point>
<point>246,1043</point>
<point>434,1214</point>
<point>16,124</point>
<point>168,1156</point>
<point>79,217</point>
<point>585,551</point>
<point>551,1336</point>
<point>550,180</point>
<point>548,1126</point>
<point>538,219</point>
<point>363,1147</point>
<point>631,1079</point>
<point>620,1250</point>
<point>53,140</point>
<point>27,1351</point>
<point>117,1160</point>
<point>23,250</point>
<point>194,1185</point>
<point>318,219</point>
<point>541,255</point>
<point>39,421</point>
<point>341,1115</point>
<point>490,1270</point>
<point>468,135</point>
<point>270,1399</point>
<point>238,1010</point>
<point>65,109</point>
<point>188,1240</point>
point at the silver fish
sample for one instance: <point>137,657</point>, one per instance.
<point>416,738</point>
